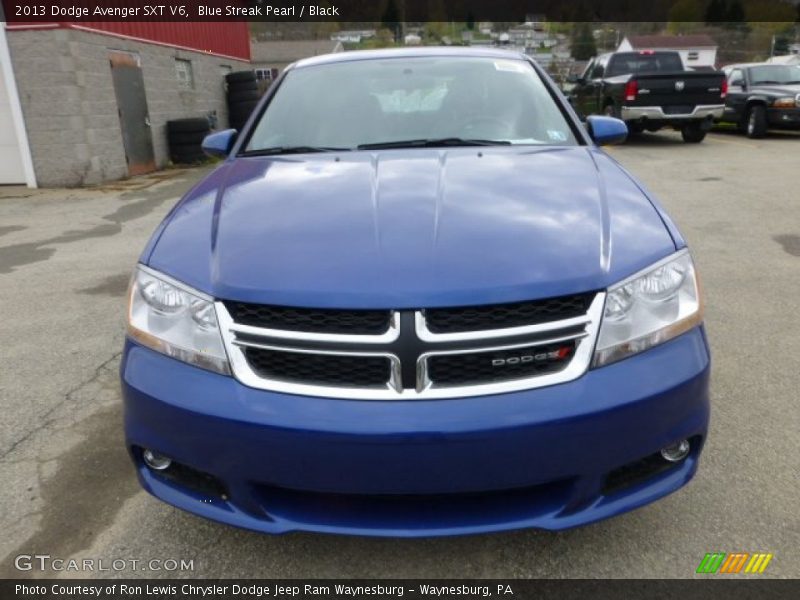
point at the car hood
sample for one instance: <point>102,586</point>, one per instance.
<point>777,90</point>
<point>411,228</point>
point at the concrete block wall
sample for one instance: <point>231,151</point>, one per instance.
<point>70,108</point>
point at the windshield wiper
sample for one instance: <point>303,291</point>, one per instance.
<point>432,143</point>
<point>275,150</point>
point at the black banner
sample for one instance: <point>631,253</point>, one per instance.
<point>751,588</point>
<point>373,11</point>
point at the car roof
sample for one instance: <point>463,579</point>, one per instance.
<point>748,65</point>
<point>431,51</point>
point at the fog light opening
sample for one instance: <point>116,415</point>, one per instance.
<point>676,452</point>
<point>156,461</point>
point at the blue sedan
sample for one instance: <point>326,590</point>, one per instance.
<point>415,299</point>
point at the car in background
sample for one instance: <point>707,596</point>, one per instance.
<point>415,299</point>
<point>650,90</point>
<point>762,96</point>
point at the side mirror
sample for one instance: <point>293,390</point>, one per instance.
<point>606,130</point>
<point>577,79</point>
<point>737,83</point>
<point>219,144</point>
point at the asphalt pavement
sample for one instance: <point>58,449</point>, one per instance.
<point>68,489</point>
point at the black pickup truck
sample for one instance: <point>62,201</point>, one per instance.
<point>650,90</point>
<point>762,96</point>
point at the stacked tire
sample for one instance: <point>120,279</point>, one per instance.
<point>185,137</point>
<point>243,95</point>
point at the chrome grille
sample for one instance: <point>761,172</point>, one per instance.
<point>320,320</point>
<point>322,369</point>
<point>499,316</point>
<point>482,366</point>
<point>408,358</point>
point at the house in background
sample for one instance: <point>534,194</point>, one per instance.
<point>697,51</point>
<point>88,103</point>
<point>353,36</point>
<point>271,57</point>
<point>786,59</point>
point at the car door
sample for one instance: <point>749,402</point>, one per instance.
<point>737,96</point>
<point>580,90</point>
<point>595,87</point>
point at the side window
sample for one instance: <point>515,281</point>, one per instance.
<point>736,78</point>
<point>588,69</point>
<point>598,70</point>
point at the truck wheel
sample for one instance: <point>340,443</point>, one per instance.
<point>610,110</point>
<point>634,128</point>
<point>693,133</point>
<point>757,122</point>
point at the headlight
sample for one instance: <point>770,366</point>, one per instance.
<point>172,318</point>
<point>649,308</point>
<point>785,102</point>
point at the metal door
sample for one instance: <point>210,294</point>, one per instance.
<point>11,169</point>
<point>134,119</point>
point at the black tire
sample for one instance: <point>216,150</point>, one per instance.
<point>186,148</point>
<point>187,156</point>
<point>693,133</point>
<point>239,76</point>
<point>756,123</point>
<point>243,106</point>
<point>243,86</point>
<point>187,125</point>
<point>611,110</point>
<point>246,96</point>
<point>634,128</point>
<point>192,137</point>
<point>239,116</point>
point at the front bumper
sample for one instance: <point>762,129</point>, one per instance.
<point>656,113</point>
<point>788,118</point>
<point>539,458</point>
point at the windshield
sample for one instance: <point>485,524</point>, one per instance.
<point>775,74</point>
<point>379,102</point>
<point>623,63</point>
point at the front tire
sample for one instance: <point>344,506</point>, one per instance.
<point>693,133</point>
<point>756,122</point>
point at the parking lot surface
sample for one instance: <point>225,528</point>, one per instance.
<point>69,490</point>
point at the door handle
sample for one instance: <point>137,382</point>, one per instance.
<point>147,121</point>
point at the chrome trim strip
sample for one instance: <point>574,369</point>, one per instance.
<point>393,391</point>
<point>390,335</point>
<point>702,111</point>
<point>425,334</point>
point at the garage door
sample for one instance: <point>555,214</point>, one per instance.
<point>11,170</point>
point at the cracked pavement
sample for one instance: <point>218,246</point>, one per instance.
<point>69,490</point>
